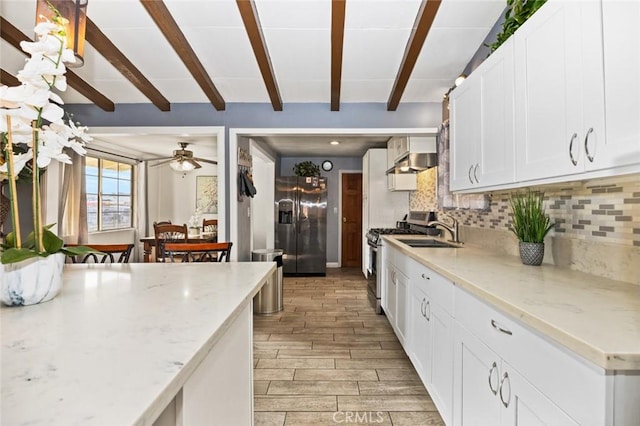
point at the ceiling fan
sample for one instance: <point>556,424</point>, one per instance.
<point>182,159</point>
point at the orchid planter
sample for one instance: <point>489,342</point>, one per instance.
<point>31,281</point>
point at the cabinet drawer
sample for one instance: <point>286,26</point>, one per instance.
<point>574,384</point>
<point>439,289</point>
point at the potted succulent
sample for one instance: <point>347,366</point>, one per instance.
<point>530,225</point>
<point>306,169</point>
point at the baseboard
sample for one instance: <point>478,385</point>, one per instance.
<point>333,264</point>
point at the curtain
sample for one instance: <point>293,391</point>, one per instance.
<point>72,208</point>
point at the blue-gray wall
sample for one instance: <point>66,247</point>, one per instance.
<point>333,183</point>
<point>261,115</point>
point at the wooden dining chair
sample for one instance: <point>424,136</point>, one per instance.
<point>108,253</point>
<point>164,233</point>
<point>210,225</point>
<point>162,222</point>
<point>198,252</point>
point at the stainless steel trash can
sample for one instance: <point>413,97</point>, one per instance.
<point>269,298</point>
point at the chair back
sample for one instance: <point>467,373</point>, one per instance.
<point>198,252</point>
<point>109,253</point>
<point>210,225</point>
<point>161,222</point>
<point>168,233</point>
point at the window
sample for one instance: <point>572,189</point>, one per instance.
<point>109,196</point>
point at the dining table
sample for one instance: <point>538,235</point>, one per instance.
<point>149,243</point>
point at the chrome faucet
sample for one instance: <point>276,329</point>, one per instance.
<point>453,228</point>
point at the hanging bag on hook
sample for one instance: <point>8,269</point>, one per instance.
<point>250,189</point>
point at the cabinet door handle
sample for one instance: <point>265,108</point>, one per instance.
<point>586,145</point>
<point>505,379</point>
<point>469,173</point>
<point>475,172</point>
<point>498,327</point>
<point>425,276</point>
<point>494,367</point>
<point>423,310</point>
<point>573,160</point>
<point>428,315</point>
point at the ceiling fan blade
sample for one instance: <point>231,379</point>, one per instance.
<point>167,160</point>
<point>204,160</point>
<point>192,161</point>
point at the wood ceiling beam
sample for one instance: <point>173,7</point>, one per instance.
<point>424,20</point>
<point>252,25</point>
<point>337,37</point>
<point>14,36</point>
<point>171,31</point>
<point>8,79</point>
<point>111,53</point>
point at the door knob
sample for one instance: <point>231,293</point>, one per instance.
<point>344,220</point>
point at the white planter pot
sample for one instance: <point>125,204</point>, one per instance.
<point>32,281</point>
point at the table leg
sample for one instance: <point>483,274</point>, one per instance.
<point>147,251</point>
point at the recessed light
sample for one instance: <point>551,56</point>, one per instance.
<point>335,142</point>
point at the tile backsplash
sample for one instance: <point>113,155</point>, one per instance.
<point>600,210</point>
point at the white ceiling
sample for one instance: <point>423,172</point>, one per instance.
<point>298,37</point>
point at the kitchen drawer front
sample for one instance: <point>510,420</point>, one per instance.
<point>439,289</point>
<point>571,382</point>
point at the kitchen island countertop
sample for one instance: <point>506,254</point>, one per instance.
<point>118,343</point>
<point>595,317</point>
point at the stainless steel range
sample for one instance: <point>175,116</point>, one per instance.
<point>418,224</point>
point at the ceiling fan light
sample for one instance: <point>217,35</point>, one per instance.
<point>181,166</point>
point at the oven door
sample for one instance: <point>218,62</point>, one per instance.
<point>373,282</point>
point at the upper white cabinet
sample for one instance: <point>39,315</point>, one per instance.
<point>482,124</point>
<point>402,182</point>
<point>560,100</point>
<point>397,147</point>
<point>559,89</point>
<point>621,35</point>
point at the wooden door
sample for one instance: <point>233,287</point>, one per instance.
<point>351,220</point>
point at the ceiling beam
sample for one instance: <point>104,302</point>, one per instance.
<point>252,25</point>
<point>111,53</point>
<point>337,37</point>
<point>8,79</point>
<point>171,31</point>
<point>14,36</point>
<point>421,27</point>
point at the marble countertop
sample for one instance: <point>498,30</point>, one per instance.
<point>116,345</point>
<point>597,318</point>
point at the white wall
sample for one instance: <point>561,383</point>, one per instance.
<point>262,205</point>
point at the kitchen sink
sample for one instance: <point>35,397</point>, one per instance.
<point>429,242</point>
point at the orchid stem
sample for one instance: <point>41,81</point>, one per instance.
<point>37,208</point>
<point>13,193</point>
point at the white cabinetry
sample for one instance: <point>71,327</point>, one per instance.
<point>381,208</point>
<point>559,89</point>
<point>395,300</point>
<point>402,182</point>
<point>491,392</point>
<point>621,35</point>
<point>397,147</point>
<point>503,369</point>
<point>430,344</point>
<point>482,124</point>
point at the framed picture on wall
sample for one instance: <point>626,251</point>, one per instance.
<point>207,194</point>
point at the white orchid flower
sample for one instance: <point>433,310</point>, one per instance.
<point>54,97</point>
<point>46,153</point>
<point>19,162</point>
<point>52,112</point>
<point>45,27</point>
<point>80,132</point>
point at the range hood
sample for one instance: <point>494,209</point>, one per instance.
<point>414,163</point>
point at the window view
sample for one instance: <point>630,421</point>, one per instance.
<point>109,196</point>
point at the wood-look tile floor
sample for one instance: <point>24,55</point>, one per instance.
<point>328,359</point>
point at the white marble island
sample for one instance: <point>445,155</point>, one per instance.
<point>122,341</point>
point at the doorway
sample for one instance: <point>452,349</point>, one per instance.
<point>351,201</point>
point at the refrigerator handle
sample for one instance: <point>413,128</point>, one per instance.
<point>297,207</point>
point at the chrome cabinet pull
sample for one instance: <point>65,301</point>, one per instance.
<point>425,276</point>
<point>505,377</point>
<point>498,327</point>
<point>573,160</point>
<point>423,308</point>
<point>428,305</point>
<point>494,367</point>
<point>469,173</point>
<point>475,172</point>
<point>586,145</point>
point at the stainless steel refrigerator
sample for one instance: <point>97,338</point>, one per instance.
<point>301,224</point>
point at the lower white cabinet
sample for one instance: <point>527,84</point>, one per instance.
<point>396,306</point>
<point>490,392</point>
